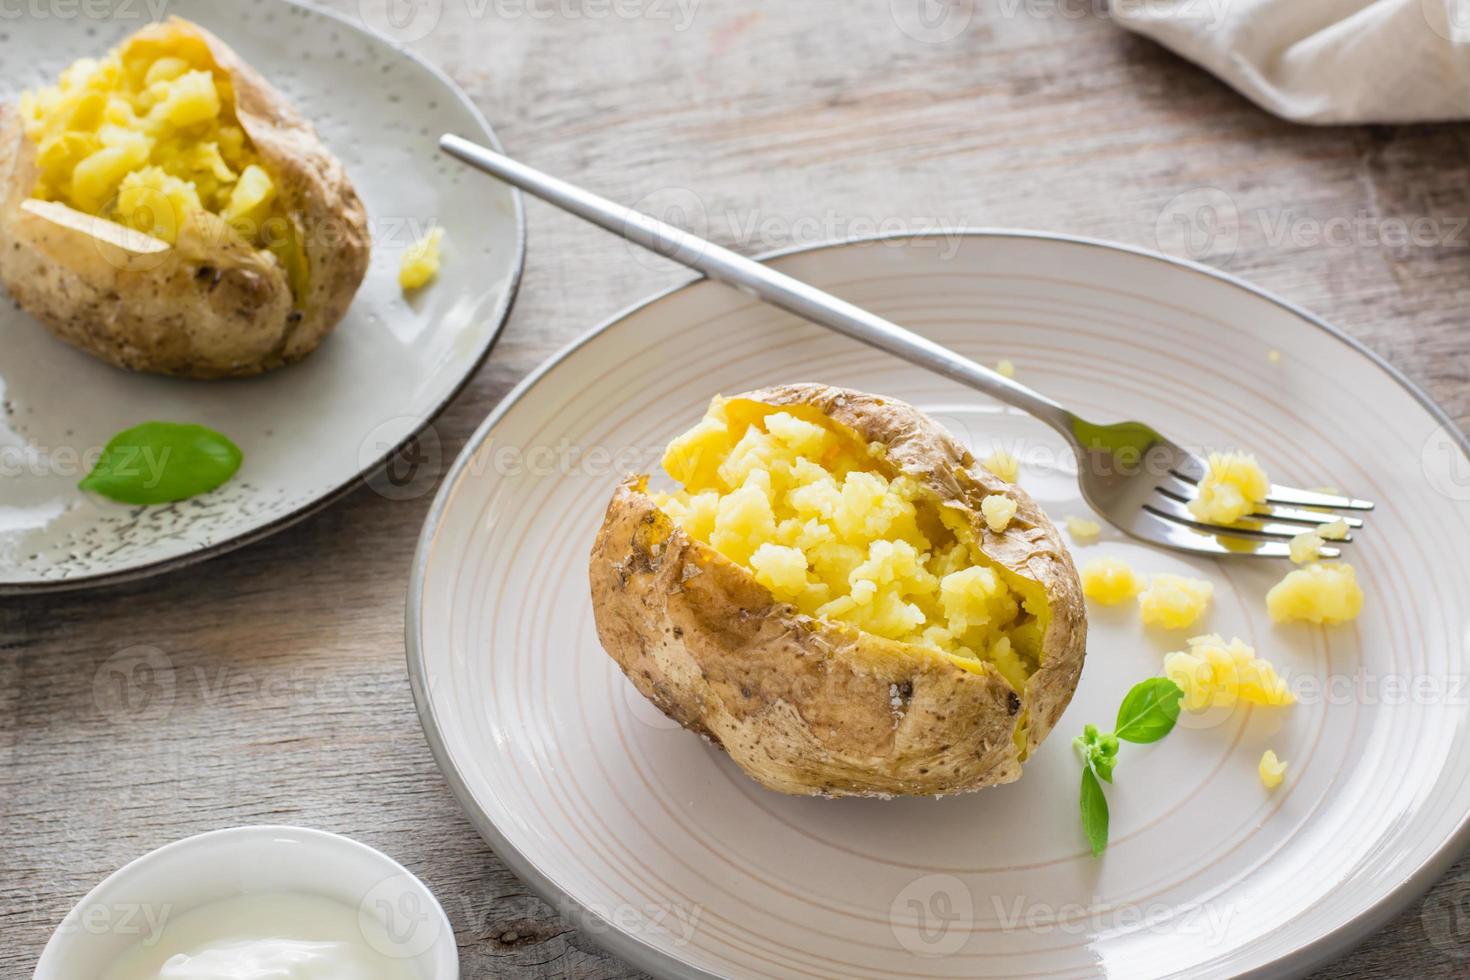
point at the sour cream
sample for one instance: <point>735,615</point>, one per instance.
<point>281,936</point>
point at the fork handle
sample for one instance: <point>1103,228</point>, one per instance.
<point>761,281</point>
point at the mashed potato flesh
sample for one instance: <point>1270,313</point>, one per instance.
<point>1003,465</point>
<point>1233,487</point>
<point>1174,602</point>
<point>998,511</point>
<point>420,264</point>
<point>1082,530</point>
<point>146,135</point>
<point>1325,593</point>
<point>1305,547</point>
<point>1213,674</point>
<point>824,524</point>
<point>1271,770</point>
<point>1110,581</point>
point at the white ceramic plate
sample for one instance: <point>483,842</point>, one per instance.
<point>667,854</point>
<point>309,432</point>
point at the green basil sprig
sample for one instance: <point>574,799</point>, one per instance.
<point>1094,812</point>
<point>1147,714</point>
<point>161,462</point>
<point>1099,751</point>
<point>1149,711</point>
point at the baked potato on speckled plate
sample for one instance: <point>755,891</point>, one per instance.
<point>165,209</point>
<point>829,598</point>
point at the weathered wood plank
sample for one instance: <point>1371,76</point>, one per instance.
<point>783,122</point>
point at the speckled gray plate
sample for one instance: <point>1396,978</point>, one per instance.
<point>311,432</point>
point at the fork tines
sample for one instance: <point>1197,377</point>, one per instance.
<point>1288,512</point>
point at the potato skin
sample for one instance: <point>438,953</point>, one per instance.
<point>211,306</point>
<point>810,707</point>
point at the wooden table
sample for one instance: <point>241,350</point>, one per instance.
<point>286,698</point>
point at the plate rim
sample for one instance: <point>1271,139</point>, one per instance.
<point>500,316</point>
<point>657,962</point>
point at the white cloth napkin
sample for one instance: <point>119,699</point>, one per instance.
<point>1323,61</point>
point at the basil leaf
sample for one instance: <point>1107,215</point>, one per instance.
<point>1102,764</point>
<point>1149,711</point>
<point>1099,752</point>
<point>1087,741</point>
<point>161,462</point>
<point>1094,808</point>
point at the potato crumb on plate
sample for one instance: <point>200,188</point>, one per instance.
<point>1323,593</point>
<point>421,260</point>
<point>1082,530</point>
<point>1271,769</point>
<point>1003,465</point>
<point>1109,581</point>
<point>1216,674</point>
<point>1174,601</point>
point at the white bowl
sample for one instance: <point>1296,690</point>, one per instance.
<point>184,875</point>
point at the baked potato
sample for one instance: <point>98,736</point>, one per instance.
<point>165,209</point>
<point>826,599</point>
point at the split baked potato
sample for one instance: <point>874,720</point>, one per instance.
<point>825,598</point>
<point>165,209</point>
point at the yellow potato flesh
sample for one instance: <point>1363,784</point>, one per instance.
<point>1325,593</point>
<point>1110,581</point>
<point>145,136</point>
<point>420,264</point>
<point>1213,673</point>
<point>1234,485</point>
<point>1174,601</point>
<point>819,521</point>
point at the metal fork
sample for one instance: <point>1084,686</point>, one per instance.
<point>1130,474</point>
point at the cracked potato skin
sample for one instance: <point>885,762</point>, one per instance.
<point>807,706</point>
<point>210,306</point>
